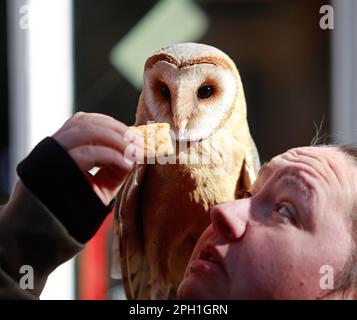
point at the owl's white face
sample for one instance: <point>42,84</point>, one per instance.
<point>195,100</point>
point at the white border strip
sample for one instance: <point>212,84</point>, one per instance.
<point>41,91</point>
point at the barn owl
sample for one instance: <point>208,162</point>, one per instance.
<point>162,209</point>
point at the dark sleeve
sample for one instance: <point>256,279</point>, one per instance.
<point>54,178</point>
<point>30,237</point>
<point>52,212</point>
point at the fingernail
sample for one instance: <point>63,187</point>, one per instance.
<point>134,153</point>
<point>129,161</point>
<point>139,141</point>
<point>138,155</point>
<point>133,137</point>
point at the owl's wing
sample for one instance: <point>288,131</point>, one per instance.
<point>252,162</point>
<point>130,238</point>
<point>249,170</point>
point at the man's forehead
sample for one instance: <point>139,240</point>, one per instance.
<point>322,157</point>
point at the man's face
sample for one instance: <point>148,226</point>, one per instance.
<point>272,244</point>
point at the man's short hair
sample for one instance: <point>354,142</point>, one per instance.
<point>347,280</point>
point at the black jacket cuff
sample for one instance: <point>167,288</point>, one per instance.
<point>53,176</point>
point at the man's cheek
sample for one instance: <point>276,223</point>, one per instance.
<point>260,266</point>
<point>278,265</point>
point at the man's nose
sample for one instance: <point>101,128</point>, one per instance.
<point>231,218</point>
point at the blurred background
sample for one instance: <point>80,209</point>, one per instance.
<point>58,57</point>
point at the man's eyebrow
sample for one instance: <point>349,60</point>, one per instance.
<point>268,168</point>
<point>300,183</point>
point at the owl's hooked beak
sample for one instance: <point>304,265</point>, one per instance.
<point>181,112</point>
<point>180,122</point>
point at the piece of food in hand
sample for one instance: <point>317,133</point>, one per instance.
<point>157,139</point>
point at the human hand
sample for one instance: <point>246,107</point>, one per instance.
<point>97,140</point>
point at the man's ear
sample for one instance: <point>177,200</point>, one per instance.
<point>349,294</point>
<point>343,294</point>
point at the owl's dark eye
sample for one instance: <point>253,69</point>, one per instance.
<point>205,92</point>
<point>165,91</point>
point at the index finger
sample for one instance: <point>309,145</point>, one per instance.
<point>97,119</point>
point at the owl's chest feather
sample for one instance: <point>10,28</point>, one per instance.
<point>182,196</point>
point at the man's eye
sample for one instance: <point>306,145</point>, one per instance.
<point>285,212</point>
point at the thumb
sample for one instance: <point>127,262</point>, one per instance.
<point>107,182</point>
